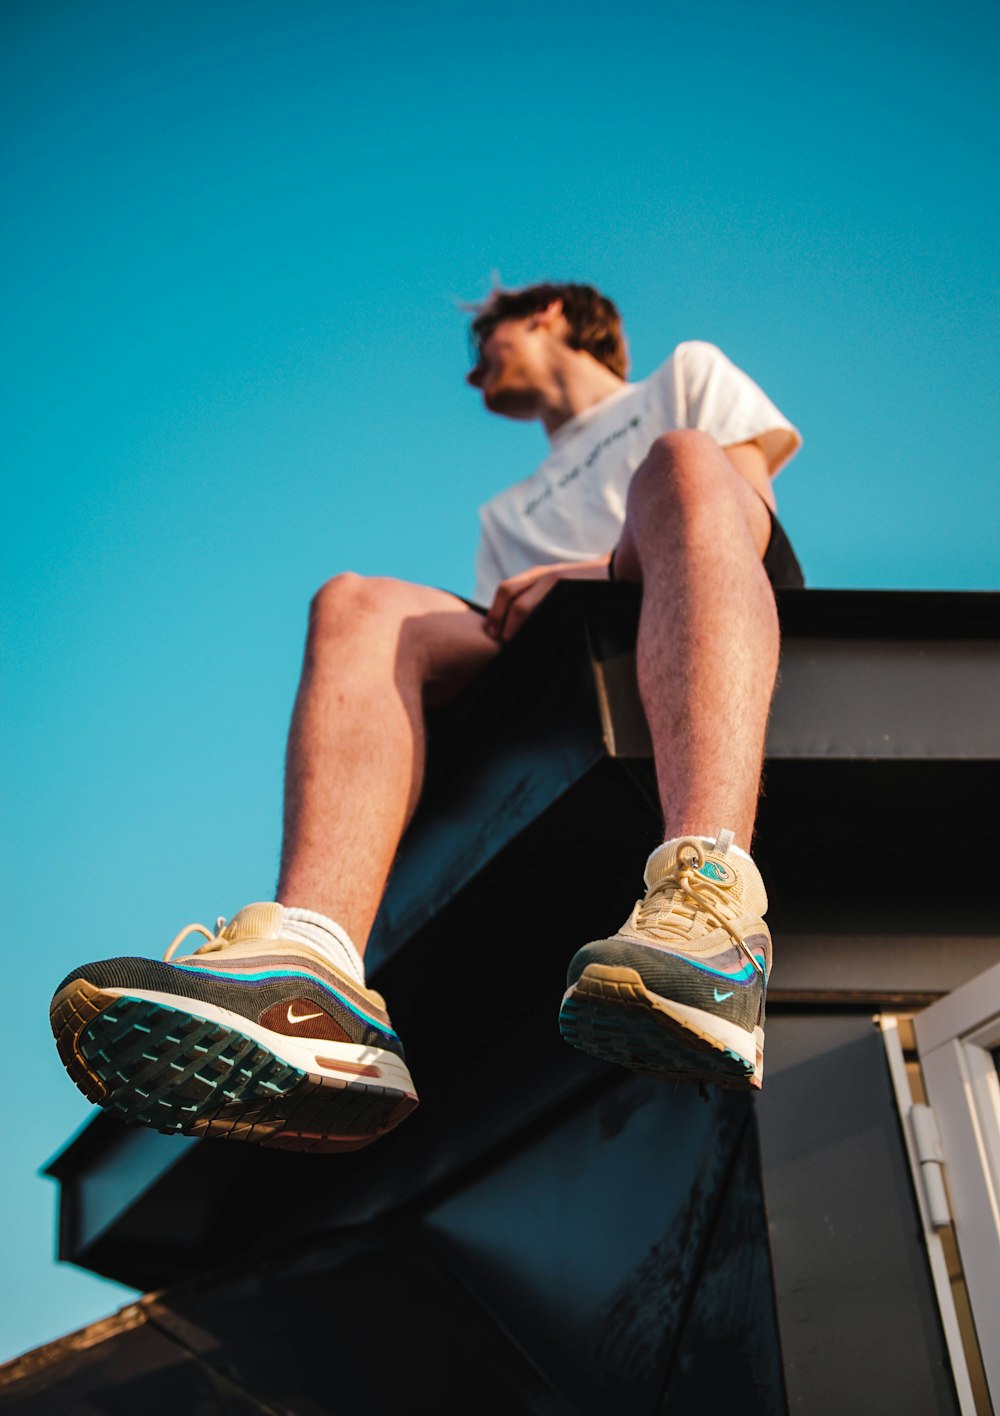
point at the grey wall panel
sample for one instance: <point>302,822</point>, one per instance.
<point>857,1316</point>
<point>887,698</point>
<point>851,698</point>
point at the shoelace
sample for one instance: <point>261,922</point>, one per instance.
<point>213,942</point>
<point>677,894</point>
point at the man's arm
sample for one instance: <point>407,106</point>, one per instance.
<point>517,597</point>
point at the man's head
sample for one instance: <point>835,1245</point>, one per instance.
<point>515,334</point>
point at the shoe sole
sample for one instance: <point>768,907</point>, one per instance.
<point>147,1059</point>
<point>610,1013</point>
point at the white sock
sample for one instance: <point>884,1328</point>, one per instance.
<point>709,844</point>
<point>325,935</point>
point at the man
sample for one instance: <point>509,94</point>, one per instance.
<point>268,1031</point>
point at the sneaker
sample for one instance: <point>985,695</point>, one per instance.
<point>252,1037</point>
<point>679,990</point>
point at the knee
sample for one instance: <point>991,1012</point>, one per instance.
<point>337,599</point>
<point>678,471</point>
<point>682,444</point>
<point>349,602</point>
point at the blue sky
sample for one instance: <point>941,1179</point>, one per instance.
<point>234,237</point>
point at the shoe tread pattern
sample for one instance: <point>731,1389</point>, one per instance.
<point>166,1068</point>
<point>617,1021</point>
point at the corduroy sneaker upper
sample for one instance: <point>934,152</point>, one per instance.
<point>252,1037</point>
<point>679,990</point>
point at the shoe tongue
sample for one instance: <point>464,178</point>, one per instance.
<point>664,860</point>
<point>735,874</point>
<point>262,921</point>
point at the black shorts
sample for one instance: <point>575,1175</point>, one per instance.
<point>780,562</point>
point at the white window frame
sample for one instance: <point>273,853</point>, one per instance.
<point>932,1239</point>
<point>955,1040</point>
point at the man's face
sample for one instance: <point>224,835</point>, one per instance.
<point>512,367</point>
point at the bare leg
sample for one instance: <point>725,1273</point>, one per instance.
<point>707,653</point>
<point>377,652</point>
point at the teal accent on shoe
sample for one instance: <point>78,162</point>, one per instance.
<point>262,975</point>
<point>743,975</point>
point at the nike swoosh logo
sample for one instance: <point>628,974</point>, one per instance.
<point>721,997</point>
<point>294,1018</point>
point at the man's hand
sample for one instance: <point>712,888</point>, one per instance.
<point>519,596</point>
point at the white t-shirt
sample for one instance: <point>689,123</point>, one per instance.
<point>573,507</point>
